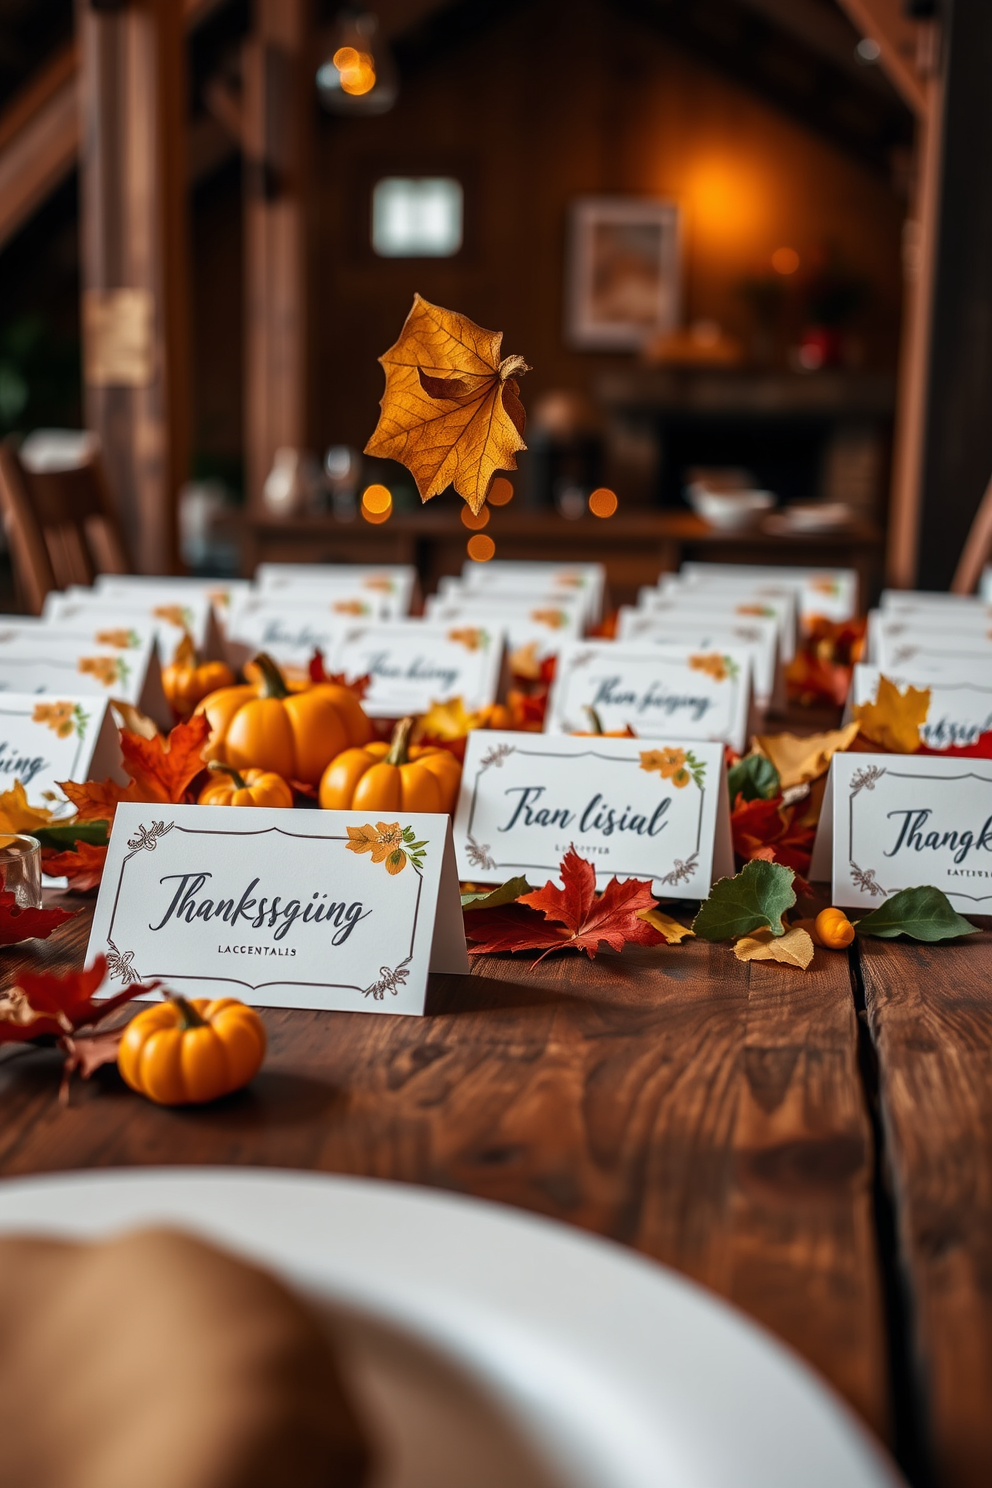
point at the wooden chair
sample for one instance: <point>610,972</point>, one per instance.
<point>59,519</point>
<point>977,548</point>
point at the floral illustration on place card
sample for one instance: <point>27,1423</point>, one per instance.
<point>106,669</point>
<point>553,619</point>
<point>472,637</point>
<point>388,843</point>
<point>64,719</point>
<point>389,981</point>
<point>124,640</point>
<point>174,615</point>
<point>715,665</point>
<point>677,765</point>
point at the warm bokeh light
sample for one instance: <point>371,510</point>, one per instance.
<point>785,260</point>
<point>728,199</point>
<point>377,499</point>
<point>480,548</point>
<point>474,521</point>
<point>603,502</point>
<point>377,504</point>
<point>500,492</point>
<point>357,70</point>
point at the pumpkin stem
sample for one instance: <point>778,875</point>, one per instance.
<point>239,781</point>
<point>595,721</point>
<point>273,682</point>
<point>188,1016</point>
<point>399,745</point>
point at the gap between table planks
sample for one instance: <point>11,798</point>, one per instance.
<point>929,1012</point>
<point>706,1112</point>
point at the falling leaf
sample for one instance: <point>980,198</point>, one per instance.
<point>574,916</point>
<point>794,948</point>
<point>17,816</point>
<point>924,913</point>
<point>893,721</point>
<point>507,893</point>
<point>754,899</point>
<point>798,760</point>
<point>451,411</point>
<point>83,865</point>
<point>18,922</point>
<point>673,930</point>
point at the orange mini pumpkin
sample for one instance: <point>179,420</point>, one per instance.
<point>265,726</point>
<point>187,680</point>
<point>833,929</point>
<point>231,787</point>
<point>182,1053</point>
<point>392,777</point>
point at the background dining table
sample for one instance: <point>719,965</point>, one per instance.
<point>815,1147</point>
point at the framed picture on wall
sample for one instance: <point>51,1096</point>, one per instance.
<point>623,272</point>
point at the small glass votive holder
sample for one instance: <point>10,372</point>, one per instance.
<point>20,868</point>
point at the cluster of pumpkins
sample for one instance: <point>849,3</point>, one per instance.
<point>268,735</point>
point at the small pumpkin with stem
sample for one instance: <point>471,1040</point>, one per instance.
<point>266,726</point>
<point>833,929</point>
<point>186,1052</point>
<point>187,680</point>
<point>231,787</point>
<point>398,776</point>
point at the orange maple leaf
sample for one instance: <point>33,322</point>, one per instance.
<point>451,412</point>
<point>160,770</point>
<point>83,865</point>
<point>893,721</point>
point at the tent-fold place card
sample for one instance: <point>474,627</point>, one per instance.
<point>44,740</point>
<point>656,689</point>
<point>897,821</point>
<point>959,712</point>
<point>414,663</point>
<point>331,910</point>
<point>122,663</point>
<point>653,810</point>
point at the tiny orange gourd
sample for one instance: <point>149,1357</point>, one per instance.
<point>833,929</point>
<point>392,777</point>
<point>181,1052</point>
<point>231,787</point>
<point>187,680</point>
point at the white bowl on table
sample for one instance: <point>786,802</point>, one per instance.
<point>728,510</point>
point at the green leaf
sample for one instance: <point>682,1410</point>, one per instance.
<point>507,893</point>
<point>59,838</point>
<point>757,896</point>
<point>753,777</point>
<point>925,913</point>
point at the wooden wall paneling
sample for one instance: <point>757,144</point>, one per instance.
<point>278,108</point>
<point>134,263</point>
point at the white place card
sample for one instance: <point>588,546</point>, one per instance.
<point>308,909</point>
<point>829,592</point>
<point>757,635</point>
<point>221,594</point>
<point>44,740</point>
<point>928,651</point>
<point>897,821</point>
<point>414,663</point>
<point>959,710</point>
<point>290,631</point>
<point>964,619</point>
<point>169,618</point>
<point>928,602</point>
<point>634,809</point>
<point>506,576</point>
<point>657,690</point>
<point>46,660</point>
<point>391,587</point>
<point>710,605</point>
<point>541,628</point>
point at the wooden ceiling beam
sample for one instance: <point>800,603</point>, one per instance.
<point>899,40</point>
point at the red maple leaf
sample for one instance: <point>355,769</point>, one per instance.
<point>574,915</point>
<point>358,685</point>
<point>82,866</point>
<point>18,923</point>
<point>60,1004</point>
<point>758,826</point>
<point>164,768</point>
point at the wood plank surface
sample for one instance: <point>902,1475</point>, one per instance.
<point>706,1112</point>
<point>930,1016</point>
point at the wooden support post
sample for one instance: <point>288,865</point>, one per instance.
<point>278,93</point>
<point>134,263</point>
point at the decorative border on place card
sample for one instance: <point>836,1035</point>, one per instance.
<point>866,779</point>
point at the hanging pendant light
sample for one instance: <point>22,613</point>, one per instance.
<point>359,75</point>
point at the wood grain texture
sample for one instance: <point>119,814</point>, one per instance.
<point>930,1016</point>
<point>706,1112</point>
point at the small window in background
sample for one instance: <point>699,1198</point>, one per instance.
<point>417,217</point>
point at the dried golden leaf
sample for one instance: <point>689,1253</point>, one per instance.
<point>672,930</point>
<point>16,815</point>
<point>801,760</point>
<point>893,720</point>
<point>794,948</point>
<point>451,411</point>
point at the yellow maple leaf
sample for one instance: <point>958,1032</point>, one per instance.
<point>794,948</point>
<point>451,412</point>
<point>450,720</point>
<point>673,930</point>
<point>894,719</point>
<point>17,816</point>
<point>801,760</point>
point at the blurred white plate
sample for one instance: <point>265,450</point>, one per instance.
<point>815,516</point>
<point>490,1347</point>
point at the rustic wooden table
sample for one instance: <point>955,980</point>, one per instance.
<point>817,1148</point>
